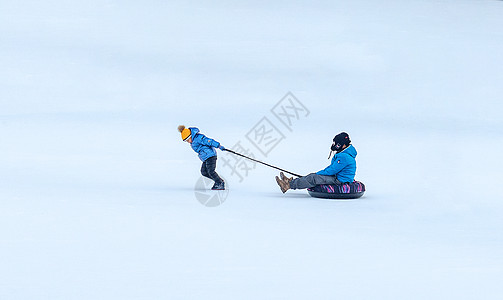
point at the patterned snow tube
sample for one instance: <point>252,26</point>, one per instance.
<point>348,190</point>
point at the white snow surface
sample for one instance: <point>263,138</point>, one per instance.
<point>97,190</point>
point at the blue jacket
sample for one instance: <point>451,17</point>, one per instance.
<point>204,146</point>
<point>343,165</point>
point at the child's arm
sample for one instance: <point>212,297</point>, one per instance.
<point>212,143</point>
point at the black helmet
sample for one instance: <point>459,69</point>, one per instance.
<point>339,141</point>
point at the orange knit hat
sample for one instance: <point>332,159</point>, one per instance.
<point>184,131</point>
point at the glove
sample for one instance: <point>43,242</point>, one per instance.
<point>221,148</point>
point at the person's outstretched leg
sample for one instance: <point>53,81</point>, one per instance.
<point>312,180</point>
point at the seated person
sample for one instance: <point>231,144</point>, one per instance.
<point>342,168</point>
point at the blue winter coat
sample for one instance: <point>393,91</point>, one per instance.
<point>343,165</point>
<point>204,146</point>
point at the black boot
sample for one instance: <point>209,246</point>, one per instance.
<point>218,186</point>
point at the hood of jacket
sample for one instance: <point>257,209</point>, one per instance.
<point>193,132</point>
<point>350,151</point>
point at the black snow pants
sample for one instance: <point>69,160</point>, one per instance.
<point>208,169</point>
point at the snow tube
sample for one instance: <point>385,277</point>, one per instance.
<point>348,190</point>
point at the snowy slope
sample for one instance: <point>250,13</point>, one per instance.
<point>100,199</point>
